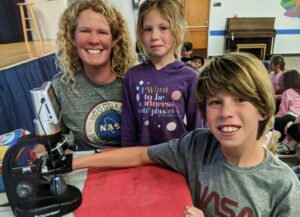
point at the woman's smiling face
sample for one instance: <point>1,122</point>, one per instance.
<point>93,39</point>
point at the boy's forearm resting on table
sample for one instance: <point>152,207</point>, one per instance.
<point>120,158</point>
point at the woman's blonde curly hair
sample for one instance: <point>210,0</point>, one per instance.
<point>122,54</point>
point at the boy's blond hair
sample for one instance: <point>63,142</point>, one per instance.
<point>122,55</point>
<point>172,11</point>
<point>242,75</point>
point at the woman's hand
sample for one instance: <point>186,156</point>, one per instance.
<point>191,211</point>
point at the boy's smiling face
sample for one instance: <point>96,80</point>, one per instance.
<point>233,121</point>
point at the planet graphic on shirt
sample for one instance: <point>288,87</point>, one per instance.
<point>171,126</point>
<point>292,8</point>
<point>176,95</point>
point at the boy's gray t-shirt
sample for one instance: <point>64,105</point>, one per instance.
<point>92,112</point>
<point>222,189</point>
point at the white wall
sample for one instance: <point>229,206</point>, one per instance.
<point>125,7</point>
<point>47,14</point>
<point>284,43</point>
<point>49,11</point>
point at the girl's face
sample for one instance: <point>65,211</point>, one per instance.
<point>275,67</point>
<point>233,121</point>
<point>157,37</point>
<point>93,39</point>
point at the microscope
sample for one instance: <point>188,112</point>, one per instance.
<point>34,188</point>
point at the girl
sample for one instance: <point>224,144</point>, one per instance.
<point>94,51</point>
<point>227,167</point>
<point>289,108</point>
<point>277,66</point>
<point>158,95</point>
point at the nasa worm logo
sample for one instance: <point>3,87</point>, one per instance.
<point>103,122</point>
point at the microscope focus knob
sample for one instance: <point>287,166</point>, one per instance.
<point>24,189</point>
<point>58,185</point>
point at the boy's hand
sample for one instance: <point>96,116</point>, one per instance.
<point>63,166</point>
<point>191,211</point>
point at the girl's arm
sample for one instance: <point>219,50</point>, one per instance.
<point>284,103</point>
<point>119,158</point>
<point>129,122</point>
<point>194,119</point>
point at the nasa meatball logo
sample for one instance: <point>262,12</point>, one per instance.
<point>103,122</point>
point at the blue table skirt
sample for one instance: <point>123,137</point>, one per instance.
<point>16,109</point>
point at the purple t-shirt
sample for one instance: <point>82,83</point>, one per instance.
<point>158,105</point>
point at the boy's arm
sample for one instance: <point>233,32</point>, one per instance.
<point>120,158</point>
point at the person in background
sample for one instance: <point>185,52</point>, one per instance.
<point>226,166</point>
<point>198,62</point>
<point>94,51</point>
<point>289,109</point>
<point>266,64</point>
<point>187,50</point>
<point>277,66</point>
<point>159,95</point>
<point>292,139</point>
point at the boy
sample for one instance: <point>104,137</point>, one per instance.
<point>228,170</point>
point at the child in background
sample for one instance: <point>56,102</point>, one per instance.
<point>198,62</point>
<point>294,140</point>
<point>187,49</point>
<point>289,109</point>
<point>226,167</point>
<point>266,64</point>
<point>158,95</point>
<point>277,66</point>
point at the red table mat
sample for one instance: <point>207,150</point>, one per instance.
<point>148,191</point>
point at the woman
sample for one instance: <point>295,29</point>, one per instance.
<point>94,51</point>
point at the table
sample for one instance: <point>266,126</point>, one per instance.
<point>76,178</point>
<point>147,191</point>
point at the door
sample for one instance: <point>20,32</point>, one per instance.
<point>196,13</point>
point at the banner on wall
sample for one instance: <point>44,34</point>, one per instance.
<point>292,8</point>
